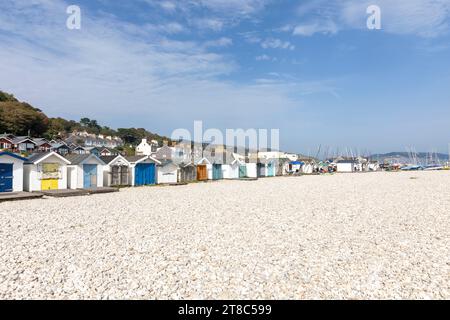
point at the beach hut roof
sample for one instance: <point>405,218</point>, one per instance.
<point>77,159</point>
<point>108,159</point>
<point>138,159</point>
<point>10,154</point>
<point>165,163</point>
<point>39,157</point>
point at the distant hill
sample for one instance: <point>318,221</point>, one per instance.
<point>405,156</point>
<point>22,119</point>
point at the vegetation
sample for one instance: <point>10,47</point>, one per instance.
<point>20,118</point>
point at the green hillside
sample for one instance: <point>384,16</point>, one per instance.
<point>21,118</point>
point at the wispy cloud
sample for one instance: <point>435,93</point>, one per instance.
<point>110,67</point>
<point>222,42</point>
<point>424,18</point>
<point>274,43</point>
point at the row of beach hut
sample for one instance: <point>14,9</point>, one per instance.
<point>52,171</point>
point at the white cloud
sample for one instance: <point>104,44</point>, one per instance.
<point>168,5</point>
<point>274,43</point>
<point>327,27</point>
<point>222,42</point>
<point>212,24</point>
<point>122,75</point>
<point>265,57</point>
<point>424,18</point>
<point>235,7</point>
<point>170,28</point>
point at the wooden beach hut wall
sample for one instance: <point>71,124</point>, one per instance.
<point>85,171</point>
<point>116,172</point>
<point>204,170</point>
<point>45,171</point>
<point>143,170</point>
<point>11,172</point>
<point>167,172</point>
<point>187,173</point>
<point>282,166</point>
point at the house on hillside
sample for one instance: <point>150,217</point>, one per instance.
<point>23,145</point>
<point>107,152</point>
<point>146,148</point>
<point>6,142</point>
<point>42,145</point>
<point>165,153</point>
<point>61,148</point>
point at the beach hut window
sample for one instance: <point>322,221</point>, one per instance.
<point>50,171</point>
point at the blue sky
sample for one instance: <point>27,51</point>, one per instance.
<point>309,68</point>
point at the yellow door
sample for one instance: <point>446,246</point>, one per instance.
<point>50,184</point>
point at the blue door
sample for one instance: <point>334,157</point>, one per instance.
<point>217,172</point>
<point>271,169</point>
<point>6,177</point>
<point>145,174</point>
<point>90,176</point>
<point>243,171</point>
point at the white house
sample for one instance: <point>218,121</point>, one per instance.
<point>11,172</point>
<point>116,171</point>
<point>45,171</point>
<point>145,148</point>
<point>84,172</point>
<point>167,173</point>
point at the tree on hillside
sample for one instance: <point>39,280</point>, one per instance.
<point>21,118</point>
<point>7,97</point>
<point>91,126</point>
<point>59,126</point>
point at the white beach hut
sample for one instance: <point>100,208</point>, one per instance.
<point>167,172</point>
<point>346,166</point>
<point>11,172</point>
<point>143,170</point>
<point>45,171</point>
<point>84,172</point>
<point>116,171</point>
<point>231,167</point>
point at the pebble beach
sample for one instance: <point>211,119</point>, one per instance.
<point>342,236</point>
